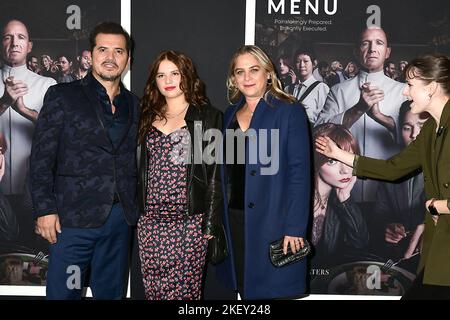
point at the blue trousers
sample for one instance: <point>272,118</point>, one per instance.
<point>104,250</point>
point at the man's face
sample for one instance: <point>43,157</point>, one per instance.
<point>324,71</point>
<point>373,50</point>
<point>33,64</point>
<point>85,60</point>
<point>16,43</point>
<point>64,64</point>
<point>109,56</point>
<point>390,70</point>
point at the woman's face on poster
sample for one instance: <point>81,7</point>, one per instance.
<point>335,173</point>
<point>284,68</point>
<point>304,65</point>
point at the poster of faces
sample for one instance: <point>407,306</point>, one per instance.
<point>365,233</point>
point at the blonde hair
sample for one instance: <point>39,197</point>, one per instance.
<point>274,86</point>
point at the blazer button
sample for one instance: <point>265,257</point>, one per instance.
<point>446,185</point>
<point>251,205</point>
<point>253,173</point>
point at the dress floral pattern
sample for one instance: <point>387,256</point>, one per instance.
<point>172,247</point>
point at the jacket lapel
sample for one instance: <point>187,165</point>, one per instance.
<point>96,106</point>
<point>445,123</point>
<point>130,106</point>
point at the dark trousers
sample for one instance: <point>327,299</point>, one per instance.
<point>104,250</point>
<point>421,291</point>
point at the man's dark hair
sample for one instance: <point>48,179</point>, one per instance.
<point>404,109</point>
<point>322,64</point>
<point>306,51</point>
<point>387,63</point>
<point>31,56</point>
<point>109,28</point>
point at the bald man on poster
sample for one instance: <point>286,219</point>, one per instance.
<point>21,97</point>
<point>368,105</point>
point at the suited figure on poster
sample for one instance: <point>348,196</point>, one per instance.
<point>398,210</point>
<point>83,171</point>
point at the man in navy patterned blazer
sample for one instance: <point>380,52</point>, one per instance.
<point>83,173</point>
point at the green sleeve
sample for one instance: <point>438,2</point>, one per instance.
<point>405,162</point>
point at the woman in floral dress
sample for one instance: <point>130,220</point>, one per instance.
<point>180,195</point>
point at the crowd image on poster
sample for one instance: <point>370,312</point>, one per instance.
<point>43,43</point>
<point>344,60</point>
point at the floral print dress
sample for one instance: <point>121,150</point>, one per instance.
<point>172,247</point>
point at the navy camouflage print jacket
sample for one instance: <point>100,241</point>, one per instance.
<point>75,169</point>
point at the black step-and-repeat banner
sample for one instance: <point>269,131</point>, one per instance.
<point>363,244</point>
<point>367,243</point>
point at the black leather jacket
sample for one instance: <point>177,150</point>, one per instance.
<point>204,182</point>
<point>344,232</point>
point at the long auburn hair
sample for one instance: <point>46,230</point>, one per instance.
<point>153,103</point>
<point>342,137</point>
<point>274,87</point>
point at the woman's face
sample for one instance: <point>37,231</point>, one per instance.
<point>249,76</point>
<point>351,68</point>
<point>335,173</point>
<point>45,62</point>
<point>304,65</point>
<point>168,79</point>
<point>284,68</point>
<point>417,91</point>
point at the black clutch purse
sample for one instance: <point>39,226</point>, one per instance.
<point>279,259</point>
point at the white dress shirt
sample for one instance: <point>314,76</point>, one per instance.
<point>374,139</point>
<point>315,100</point>
<point>17,130</point>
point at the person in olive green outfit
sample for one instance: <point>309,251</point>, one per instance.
<point>429,91</point>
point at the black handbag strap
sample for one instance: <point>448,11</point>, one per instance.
<point>308,91</point>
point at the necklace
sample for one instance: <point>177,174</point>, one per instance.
<point>178,114</point>
<point>322,202</point>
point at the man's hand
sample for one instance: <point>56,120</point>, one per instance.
<point>14,89</point>
<point>21,108</point>
<point>394,232</point>
<point>2,164</point>
<point>293,76</point>
<point>47,226</point>
<point>371,95</point>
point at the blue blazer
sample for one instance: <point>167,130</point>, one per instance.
<point>275,205</point>
<point>74,167</point>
